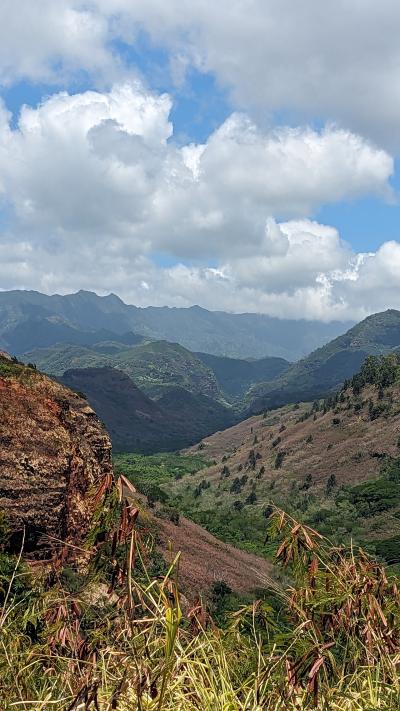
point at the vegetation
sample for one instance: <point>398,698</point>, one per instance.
<point>113,635</point>
<point>325,369</point>
<point>149,473</point>
<point>154,366</point>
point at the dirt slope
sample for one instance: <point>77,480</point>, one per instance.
<point>205,559</point>
<point>306,462</point>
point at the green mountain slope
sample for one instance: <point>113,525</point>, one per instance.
<point>154,366</point>
<point>44,331</point>
<point>234,335</point>
<point>326,368</point>
<point>138,424</point>
<point>235,376</point>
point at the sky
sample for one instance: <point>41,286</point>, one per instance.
<point>240,155</point>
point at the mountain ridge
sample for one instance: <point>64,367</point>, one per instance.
<point>326,368</point>
<point>198,329</point>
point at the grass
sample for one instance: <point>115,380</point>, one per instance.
<point>126,640</point>
<point>150,473</point>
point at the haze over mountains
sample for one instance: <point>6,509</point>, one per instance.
<point>44,319</point>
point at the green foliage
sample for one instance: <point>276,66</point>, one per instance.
<point>150,473</point>
<point>225,472</point>
<point>252,459</point>
<point>389,549</point>
<point>251,499</point>
<point>280,456</point>
<point>372,497</point>
<point>381,371</point>
<point>238,484</point>
<point>331,484</point>
<point>15,579</point>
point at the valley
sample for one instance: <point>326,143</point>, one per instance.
<point>223,525</point>
<point>334,464</point>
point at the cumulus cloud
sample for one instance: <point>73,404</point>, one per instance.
<point>101,164</point>
<point>337,60</point>
<point>48,41</point>
<point>98,196</point>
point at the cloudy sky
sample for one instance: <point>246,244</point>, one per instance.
<point>239,154</point>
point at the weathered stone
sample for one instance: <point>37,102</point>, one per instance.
<point>53,452</point>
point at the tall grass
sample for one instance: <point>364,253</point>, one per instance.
<point>128,641</point>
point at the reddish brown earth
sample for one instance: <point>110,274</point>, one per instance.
<point>205,559</point>
<point>352,449</point>
<point>53,451</point>
<point>344,442</point>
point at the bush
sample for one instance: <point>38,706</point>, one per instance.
<point>279,459</point>
<point>251,499</point>
<point>389,549</point>
<point>169,513</point>
<point>330,484</point>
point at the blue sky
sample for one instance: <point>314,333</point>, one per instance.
<point>276,189</point>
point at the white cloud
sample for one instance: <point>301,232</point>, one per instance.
<point>337,60</point>
<point>49,41</point>
<point>100,164</point>
<point>97,196</point>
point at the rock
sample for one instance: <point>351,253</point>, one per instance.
<point>53,453</point>
<point>5,355</point>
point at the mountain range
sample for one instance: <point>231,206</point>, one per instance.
<point>29,319</point>
<point>158,394</point>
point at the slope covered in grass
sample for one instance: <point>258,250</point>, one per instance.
<point>154,366</point>
<point>334,464</point>
<point>325,369</point>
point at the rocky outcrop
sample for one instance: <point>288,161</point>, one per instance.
<point>53,452</point>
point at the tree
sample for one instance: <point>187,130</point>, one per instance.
<point>331,484</point>
<point>279,459</point>
<point>251,499</point>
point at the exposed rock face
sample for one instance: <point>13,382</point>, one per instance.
<point>53,451</point>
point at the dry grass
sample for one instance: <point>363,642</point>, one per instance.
<point>131,647</point>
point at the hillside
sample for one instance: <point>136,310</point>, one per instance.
<point>335,465</point>
<point>325,369</point>
<point>154,366</point>
<point>145,609</point>
<point>137,423</point>
<point>46,488</point>
<point>216,332</point>
<point>53,451</point>
<point>36,331</point>
<point>235,376</point>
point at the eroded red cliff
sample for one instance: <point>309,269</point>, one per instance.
<point>53,452</point>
